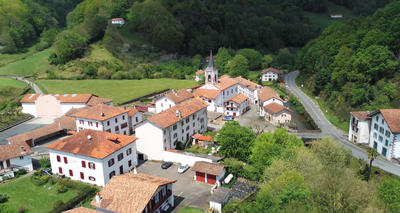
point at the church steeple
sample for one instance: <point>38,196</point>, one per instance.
<point>211,61</point>
<point>211,72</point>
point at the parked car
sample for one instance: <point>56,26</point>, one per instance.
<point>46,171</point>
<point>166,165</point>
<point>228,118</point>
<point>183,168</point>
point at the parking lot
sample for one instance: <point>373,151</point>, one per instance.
<point>187,192</point>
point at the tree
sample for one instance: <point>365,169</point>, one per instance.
<point>197,61</point>
<point>45,162</point>
<point>253,57</point>
<point>148,70</point>
<point>235,140</point>
<point>223,58</point>
<point>238,66</point>
<point>372,155</point>
<point>91,71</point>
<point>389,193</point>
<point>285,57</point>
<point>266,61</point>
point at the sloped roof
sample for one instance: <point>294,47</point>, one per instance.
<point>179,96</point>
<point>224,83</point>
<point>267,93</point>
<point>14,150</point>
<point>197,135</point>
<point>63,98</point>
<point>247,83</point>
<point>199,72</point>
<point>361,115</point>
<point>132,112</point>
<point>186,108</point>
<point>95,113</point>
<point>100,145</point>
<point>391,117</point>
<point>97,100</point>
<point>117,19</point>
<point>270,69</point>
<point>239,98</point>
<point>81,210</point>
<point>130,193</point>
<point>208,168</point>
<point>205,138</point>
<point>275,108</point>
<point>207,93</point>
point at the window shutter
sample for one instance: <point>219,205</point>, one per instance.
<point>65,160</point>
<point>94,166</point>
<point>58,158</point>
<point>82,175</point>
<point>60,170</point>
<point>83,164</point>
<point>71,173</point>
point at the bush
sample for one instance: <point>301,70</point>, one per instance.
<point>21,209</point>
<point>180,146</point>
<point>120,75</point>
<point>89,192</point>
<point>3,198</point>
<point>75,185</point>
<point>45,162</point>
<point>57,203</point>
<point>42,45</point>
<point>62,189</point>
<point>241,169</point>
<point>91,71</point>
<point>21,171</point>
<point>37,179</point>
<point>145,100</point>
<point>103,73</point>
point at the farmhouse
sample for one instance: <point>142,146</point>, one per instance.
<point>93,156</point>
<point>199,75</point>
<point>385,132</point>
<point>269,74</point>
<point>49,105</point>
<point>118,21</point>
<point>209,172</point>
<point>336,16</point>
<point>171,99</point>
<point>277,114</point>
<point>163,131</point>
<point>360,125</point>
<point>135,193</point>
<point>237,105</point>
<point>248,88</point>
<point>17,155</point>
<point>267,95</point>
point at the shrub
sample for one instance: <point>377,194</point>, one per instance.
<point>75,185</point>
<point>58,203</point>
<point>44,162</point>
<point>180,146</point>
<point>120,75</point>
<point>62,189</point>
<point>145,100</point>
<point>3,198</point>
<point>103,73</point>
<point>37,180</point>
<point>89,192</point>
<point>21,171</point>
<point>21,209</point>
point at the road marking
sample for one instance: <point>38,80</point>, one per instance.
<point>180,194</point>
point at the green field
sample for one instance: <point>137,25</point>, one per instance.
<point>118,90</point>
<point>318,20</point>
<point>101,53</point>
<point>36,199</point>
<point>190,210</point>
<point>6,82</point>
<point>37,62</point>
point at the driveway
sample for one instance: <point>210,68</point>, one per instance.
<point>187,192</point>
<point>30,125</point>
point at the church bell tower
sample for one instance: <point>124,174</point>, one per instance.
<point>211,72</point>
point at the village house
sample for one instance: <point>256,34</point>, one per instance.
<point>134,117</point>
<point>171,99</point>
<point>267,95</point>
<point>16,155</point>
<point>107,118</point>
<point>237,105</point>
<point>385,132</point>
<point>199,75</point>
<point>269,74</point>
<point>81,210</point>
<point>277,114</point>
<point>118,21</point>
<point>207,172</point>
<point>248,88</point>
<point>359,127</point>
<point>135,193</point>
<point>93,156</point>
<point>56,105</point>
<point>336,16</point>
<point>163,131</point>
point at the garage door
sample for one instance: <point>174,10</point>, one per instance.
<point>211,179</point>
<point>200,177</point>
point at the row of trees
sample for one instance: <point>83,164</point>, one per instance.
<point>352,65</point>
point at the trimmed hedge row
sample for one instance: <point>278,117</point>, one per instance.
<point>89,192</point>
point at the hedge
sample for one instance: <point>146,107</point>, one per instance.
<point>89,192</point>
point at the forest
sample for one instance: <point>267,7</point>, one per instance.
<point>352,66</point>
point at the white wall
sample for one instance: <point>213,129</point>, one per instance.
<point>150,140</point>
<point>183,159</point>
<point>106,127</point>
<point>85,125</point>
<point>163,104</point>
<point>65,107</point>
<point>229,92</point>
<point>139,117</point>
<point>219,178</point>
<point>381,145</point>
<point>29,108</point>
<point>24,161</point>
<point>266,76</point>
<point>217,206</point>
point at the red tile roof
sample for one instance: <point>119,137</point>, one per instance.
<point>179,96</point>
<point>63,98</point>
<point>130,193</point>
<point>199,72</point>
<point>224,83</point>
<point>206,93</point>
<point>99,145</point>
<point>275,108</point>
<point>196,136</point>
<point>247,83</point>
<point>270,69</point>
<point>224,76</point>
<point>132,112</point>
<point>117,19</point>
<point>391,117</point>
<point>267,93</point>
<point>205,138</point>
<point>96,100</point>
<point>239,98</point>
<point>81,210</point>
<point>361,115</point>
<point>186,108</point>
<point>95,113</point>
<point>208,168</point>
<point>14,150</point>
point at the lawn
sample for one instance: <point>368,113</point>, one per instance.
<point>27,51</point>
<point>101,53</point>
<point>254,74</point>
<point>190,210</point>
<point>118,90</point>
<point>37,62</point>
<point>318,20</point>
<point>36,199</point>
<point>6,82</point>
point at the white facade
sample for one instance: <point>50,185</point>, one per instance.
<point>65,107</point>
<point>252,94</point>
<point>265,103</point>
<point>235,109</point>
<point>383,139</point>
<point>118,124</point>
<point>153,139</point>
<point>99,174</point>
<point>198,77</point>
<point>163,104</point>
<point>169,201</point>
<point>359,130</point>
<point>29,108</point>
<point>269,76</point>
<point>22,161</point>
<point>135,119</point>
<point>281,117</point>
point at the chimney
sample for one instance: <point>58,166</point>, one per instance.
<point>89,137</point>
<point>98,198</point>
<point>22,150</point>
<point>102,114</point>
<point>260,92</point>
<point>134,170</point>
<point>178,114</point>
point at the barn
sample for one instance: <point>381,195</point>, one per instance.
<point>209,172</point>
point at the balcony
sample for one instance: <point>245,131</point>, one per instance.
<point>161,201</point>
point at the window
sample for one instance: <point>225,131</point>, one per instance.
<point>21,157</point>
<point>209,101</point>
<point>82,176</point>
<point>156,196</point>
<point>187,120</point>
<point>124,132</point>
<point>60,170</point>
<point>83,164</point>
<point>92,178</point>
<point>65,160</point>
<point>381,130</point>
<point>174,127</point>
<point>387,134</point>
<point>380,139</point>
<point>112,174</point>
<point>165,100</point>
<point>375,135</point>
<point>97,124</point>
<point>137,120</point>
<point>193,116</point>
<point>90,123</point>
<point>384,152</point>
<point>187,128</point>
<point>231,90</point>
<point>183,131</point>
<point>116,120</point>
<point>92,165</point>
<point>58,158</point>
<point>123,117</point>
<point>111,162</point>
<point>182,123</point>
<point>116,128</point>
<point>375,145</point>
<point>108,123</point>
<point>108,130</point>
<point>120,156</point>
<point>161,105</point>
<point>129,163</point>
<point>175,135</point>
<point>383,121</point>
<point>128,151</point>
<point>376,126</point>
<point>71,173</point>
<point>124,125</point>
<point>386,142</point>
<point>80,129</point>
<point>377,118</point>
<point>194,124</point>
<point>170,106</point>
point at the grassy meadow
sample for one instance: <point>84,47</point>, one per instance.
<point>318,20</point>
<point>118,90</point>
<point>8,82</point>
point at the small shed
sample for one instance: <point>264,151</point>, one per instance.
<point>219,198</point>
<point>118,21</point>
<point>201,140</point>
<point>208,172</point>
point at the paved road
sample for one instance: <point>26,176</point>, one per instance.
<point>329,129</point>
<point>34,86</point>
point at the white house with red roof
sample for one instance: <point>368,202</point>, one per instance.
<point>385,132</point>
<point>269,74</point>
<point>56,105</point>
<point>171,99</point>
<point>209,172</point>
<point>118,21</point>
<point>134,117</point>
<point>248,88</point>
<point>277,114</point>
<point>237,105</point>
<point>15,155</point>
<point>199,75</point>
<point>267,95</point>
<point>163,131</point>
<point>93,156</point>
<point>359,127</point>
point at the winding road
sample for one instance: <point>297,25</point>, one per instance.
<point>329,129</point>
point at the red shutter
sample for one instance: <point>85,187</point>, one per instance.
<point>97,124</point>
<point>82,175</point>
<point>83,164</point>
<point>129,163</point>
<point>60,170</point>
<point>58,158</point>
<point>71,173</point>
<point>65,160</point>
<point>124,132</point>
<point>94,166</point>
